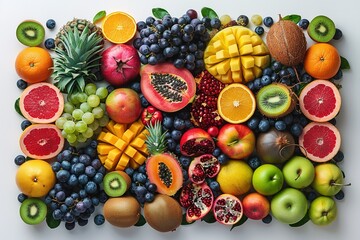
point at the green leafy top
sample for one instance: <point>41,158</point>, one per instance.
<point>155,140</point>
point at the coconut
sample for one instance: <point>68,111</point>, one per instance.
<point>286,42</point>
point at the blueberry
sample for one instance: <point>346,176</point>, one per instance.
<point>144,101</point>
<point>288,119</point>
<point>176,134</point>
<point>63,175</point>
<point>140,25</point>
<point>99,219</point>
<point>296,129</point>
<point>82,222</point>
<point>216,152</point>
<point>141,178</point>
<point>129,171</point>
<point>274,77</point>
<point>140,190</point>
<point>73,181</point>
<point>311,195</point>
<point>214,185</point>
<point>267,219</point>
<point>215,23</point>
<point>340,195</point>
<point>95,201</point>
<point>305,78</point>
<point>110,88</point>
<point>338,34</point>
<point>250,85</point>
<point>179,63</point>
<point>280,125</point>
<point>223,158</point>
<point>243,20</point>
<point>171,144</point>
<point>66,165</point>
<point>85,159</point>
<point>265,80</point>
<point>69,201</point>
<point>338,75</point>
<point>63,208</point>
<point>78,168</point>
<point>151,187</point>
<point>83,179</point>
<point>69,224</point>
<point>267,71</point>
<point>25,124</point>
<point>60,196</point>
<point>142,169</point>
<point>57,214</point>
<point>264,125</point>
<point>91,151</point>
<point>103,197</point>
<point>19,159</point>
<point>276,66</point>
<point>21,84</point>
<point>96,163</point>
<point>304,23</point>
<point>253,123</point>
<point>98,178</point>
<point>21,197</point>
<point>339,156</point>
<point>149,197</point>
<point>93,144</point>
<point>254,162</point>
<point>50,43</point>
<point>184,161</point>
<point>257,84</point>
<point>259,30</point>
<point>150,20</point>
<point>50,24</point>
<point>91,187</point>
<point>268,21</point>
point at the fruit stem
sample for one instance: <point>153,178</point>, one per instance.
<point>340,184</point>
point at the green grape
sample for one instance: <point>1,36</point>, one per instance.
<point>82,97</point>
<point>103,106</point>
<point>73,99</point>
<point>63,133</point>
<point>69,127</point>
<point>88,117</point>
<point>94,125</point>
<point>81,138</point>
<point>60,122</point>
<point>81,126</point>
<point>69,107</point>
<point>88,133</point>
<point>85,107</point>
<point>77,114</point>
<point>102,92</point>
<point>256,19</point>
<point>98,112</point>
<point>71,137</point>
<point>90,89</point>
<point>104,120</point>
<point>93,100</point>
<point>68,116</point>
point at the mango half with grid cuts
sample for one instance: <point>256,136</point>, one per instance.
<point>122,145</point>
<point>236,54</point>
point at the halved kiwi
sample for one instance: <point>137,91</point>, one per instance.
<point>275,100</point>
<point>116,183</point>
<point>33,211</point>
<point>321,29</point>
<point>30,33</point>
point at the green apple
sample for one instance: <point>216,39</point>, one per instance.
<point>289,205</point>
<point>299,172</point>
<point>328,179</point>
<point>323,210</point>
<point>267,179</point>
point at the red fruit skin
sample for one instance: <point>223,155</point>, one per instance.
<point>120,64</point>
<point>197,135</point>
<point>151,115</point>
<point>213,131</point>
<point>255,206</point>
<point>123,105</point>
<point>236,140</point>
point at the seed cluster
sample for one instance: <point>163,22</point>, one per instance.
<point>169,86</point>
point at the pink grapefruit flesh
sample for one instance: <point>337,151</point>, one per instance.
<point>41,141</point>
<point>320,101</point>
<point>320,141</point>
<point>41,103</point>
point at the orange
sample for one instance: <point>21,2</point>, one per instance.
<point>236,103</point>
<point>34,64</point>
<point>119,27</point>
<point>35,178</point>
<point>322,61</point>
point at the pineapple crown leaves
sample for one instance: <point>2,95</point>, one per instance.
<point>78,61</point>
<point>155,139</point>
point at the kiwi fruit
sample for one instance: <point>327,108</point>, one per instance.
<point>321,29</point>
<point>30,33</point>
<point>116,183</point>
<point>275,100</point>
<point>33,211</point>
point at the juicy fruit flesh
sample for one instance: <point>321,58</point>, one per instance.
<point>273,100</point>
<point>42,141</point>
<point>33,211</point>
<point>321,29</point>
<point>227,209</point>
<point>169,86</point>
<point>119,27</point>
<point>30,33</point>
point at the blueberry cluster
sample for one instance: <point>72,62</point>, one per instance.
<point>180,40</point>
<point>79,174</point>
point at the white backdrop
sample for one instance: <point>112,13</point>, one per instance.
<point>344,15</point>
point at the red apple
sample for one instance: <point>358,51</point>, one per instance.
<point>236,140</point>
<point>123,105</point>
<point>256,206</point>
<point>120,64</point>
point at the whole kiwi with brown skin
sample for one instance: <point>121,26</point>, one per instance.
<point>164,214</point>
<point>286,42</point>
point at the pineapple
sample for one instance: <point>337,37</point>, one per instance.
<point>78,60</point>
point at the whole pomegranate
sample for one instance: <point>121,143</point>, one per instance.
<point>120,64</point>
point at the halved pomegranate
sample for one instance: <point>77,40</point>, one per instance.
<point>197,199</point>
<point>203,166</point>
<point>227,209</point>
<point>195,142</point>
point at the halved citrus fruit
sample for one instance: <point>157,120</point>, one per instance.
<point>119,27</point>
<point>41,141</point>
<point>236,103</point>
<point>41,103</point>
<point>320,100</point>
<point>320,142</point>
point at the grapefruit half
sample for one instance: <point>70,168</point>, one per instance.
<point>320,100</point>
<point>320,141</point>
<point>41,103</point>
<point>41,141</point>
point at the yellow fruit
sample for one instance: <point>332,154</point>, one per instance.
<point>235,177</point>
<point>35,178</point>
<point>236,49</point>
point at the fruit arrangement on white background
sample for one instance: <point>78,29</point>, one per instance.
<point>175,119</point>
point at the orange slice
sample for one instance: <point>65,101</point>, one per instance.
<point>236,103</point>
<point>119,27</point>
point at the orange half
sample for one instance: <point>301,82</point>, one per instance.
<point>119,27</point>
<point>236,103</point>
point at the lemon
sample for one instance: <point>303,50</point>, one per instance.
<point>235,177</point>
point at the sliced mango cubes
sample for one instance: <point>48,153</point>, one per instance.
<point>121,145</point>
<point>236,54</point>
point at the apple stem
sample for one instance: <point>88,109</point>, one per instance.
<point>340,184</point>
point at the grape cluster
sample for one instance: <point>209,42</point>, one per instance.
<point>84,114</point>
<point>77,191</point>
<point>180,40</point>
